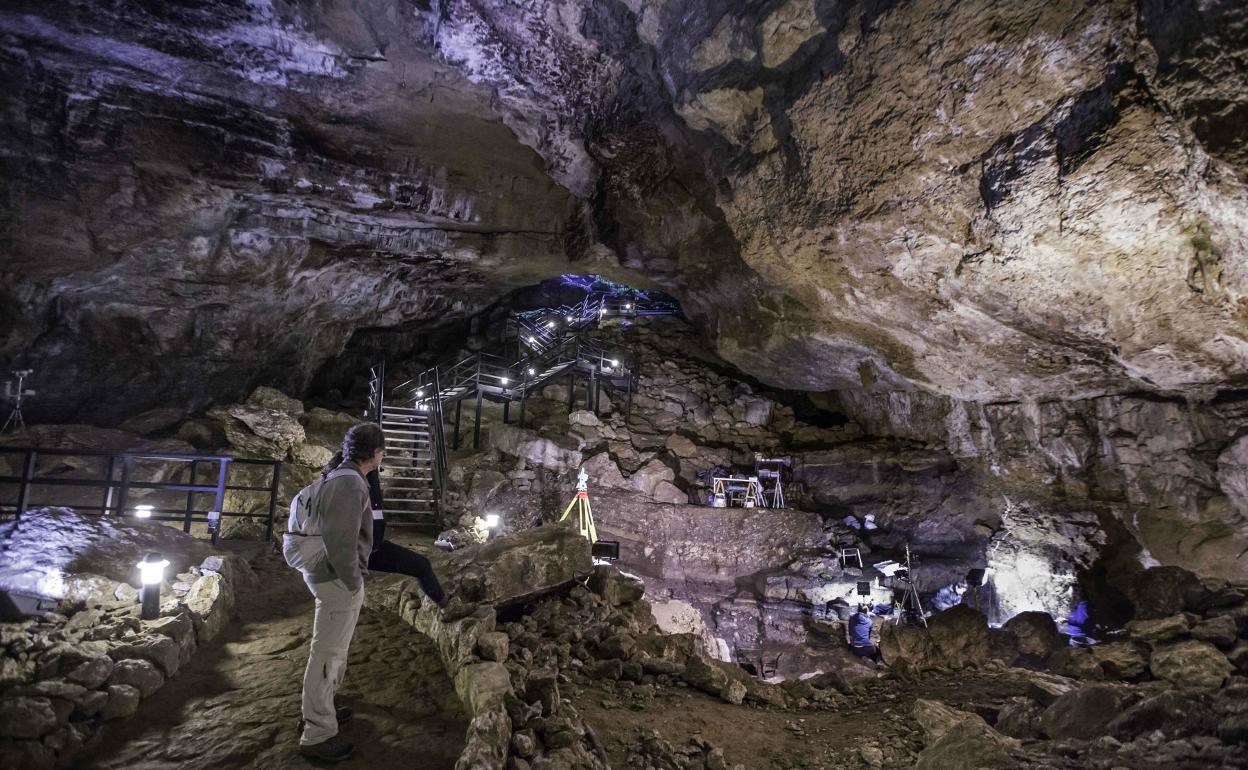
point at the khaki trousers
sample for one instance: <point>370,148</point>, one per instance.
<point>337,610</point>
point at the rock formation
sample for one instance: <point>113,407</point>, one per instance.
<point>1046,201</point>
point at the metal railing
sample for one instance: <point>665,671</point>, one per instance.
<point>120,477</point>
<point>556,344</point>
<point>376,392</point>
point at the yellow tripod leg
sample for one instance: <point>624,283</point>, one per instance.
<point>568,510</point>
<point>590,529</point>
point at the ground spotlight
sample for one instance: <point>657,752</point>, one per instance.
<point>151,575</point>
<point>491,520</point>
<point>143,511</point>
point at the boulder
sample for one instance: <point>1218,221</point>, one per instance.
<point>681,446</point>
<point>493,646</point>
<point>481,686</point>
<point>22,717</point>
<point>1159,630</point>
<point>937,719</point>
<point>1084,713</point>
<point>139,674</point>
<point>907,647</point>
<point>258,431</point>
<point>311,455</point>
<point>754,410</point>
<point>956,637</point>
<point>123,700</point>
<point>1221,631</point>
<point>1190,663</point>
<point>1037,634</point>
<point>603,471</point>
<point>1116,660</point>
<point>667,492</point>
<point>536,450</point>
<point>160,650</point>
<point>1238,656</point>
<point>1077,662</point>
<point>1046,688</point>
<point>1175,712</point>
<point>957,740</point>
<point>615,587</point>
<point>1020,718</point>
<point>584,418</point>
<point>93,672</point>
<point>60,553</point>
<point>648,477</point>
<point>961,636</point>
<point>271,398</point>
<point>1119,660</point>
<point>210,600</point>
<point>517,567</point>
<point>1161,592</point>
<point>326,427</point>
<point>620,646</point>
<point>710,678</point>
<point>485,485</point>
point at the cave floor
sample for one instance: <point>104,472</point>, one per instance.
<point>236,703</point>
<point>870,728</point>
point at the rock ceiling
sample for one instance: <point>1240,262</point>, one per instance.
<point>985,200</point>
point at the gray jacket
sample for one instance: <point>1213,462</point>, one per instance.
<point>346,528</point>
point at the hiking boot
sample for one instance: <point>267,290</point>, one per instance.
<point>332,750</point>
<point>454,609</point>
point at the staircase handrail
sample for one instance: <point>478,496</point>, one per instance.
<point>376,391</point>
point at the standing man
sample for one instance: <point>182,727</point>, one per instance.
<point>337,583</point>
<point>860,625</point>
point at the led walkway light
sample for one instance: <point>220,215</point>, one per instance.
<point>151,574</point>
<point>143,511</point>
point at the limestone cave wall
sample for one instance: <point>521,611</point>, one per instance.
<point>1012,233</point>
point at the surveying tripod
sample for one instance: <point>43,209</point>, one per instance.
<point>910,604</point>
<point>585,516</point>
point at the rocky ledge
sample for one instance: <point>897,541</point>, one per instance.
<point>65,673</point>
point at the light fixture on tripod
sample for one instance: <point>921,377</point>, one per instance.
<point>909,604</point>
<point>16,395</point>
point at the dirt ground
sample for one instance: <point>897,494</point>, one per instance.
<point>822,736</point>
<point>236,704</point>
<point>869,728</point>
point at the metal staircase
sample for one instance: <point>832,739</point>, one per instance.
<point>552,343</point>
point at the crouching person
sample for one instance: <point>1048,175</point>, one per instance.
<point>331,537</point>
<point>860,626</point>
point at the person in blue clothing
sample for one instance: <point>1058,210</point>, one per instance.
<point>860,634</point>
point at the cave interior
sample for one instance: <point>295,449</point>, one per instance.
<point>812,291</point>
